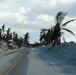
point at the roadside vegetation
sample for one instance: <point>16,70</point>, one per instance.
<point>53,34</point>
<point>12,39</point>
<point>47,36</point>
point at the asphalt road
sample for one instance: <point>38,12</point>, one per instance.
<point>21,67</point>
<point>36,62</point>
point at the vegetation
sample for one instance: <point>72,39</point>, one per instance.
<point>54,34</point>
<point>12,38</point>
<point>47,36</point>
<point>26,37</point>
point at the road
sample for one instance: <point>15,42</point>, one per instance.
<point>36,62</point>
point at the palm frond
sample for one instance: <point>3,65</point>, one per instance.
<point>43,30</point>
<point>60,16</point>
<point>68,22</point>
<point>68,31</point>
<point>41,37</point>
<point>61,33</point>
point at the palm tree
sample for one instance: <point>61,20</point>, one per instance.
<point>20,42</point>
<point>26,37</point>
<point>56,35</point>
<point>14,36</point>
<point>3,29</point>
<point>43,36</point>
<point>16,39</point>
<point>8,34</point>
<point>49,35</point>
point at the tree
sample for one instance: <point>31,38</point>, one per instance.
<point>3,29</point>
<point>14,36</point>
<point>26,37</point>
<point>8,34</point>
<point>48,36</point>
<point>20,41</point>
<point>43,36</point>
<point>56,35</point>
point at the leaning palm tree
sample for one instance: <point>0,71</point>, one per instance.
<point>56,35</point>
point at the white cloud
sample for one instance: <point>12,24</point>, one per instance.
<point>23,10</point>
<point>53,2</point>
<point>18,20</point>
<point>33,1</point>
<point>41,14</point>
<point>51,7</point>
<point>7,0</point>
<point>6,3</point>
<point>43,17</point>
<point>67,1</point>
<point>12,18</point>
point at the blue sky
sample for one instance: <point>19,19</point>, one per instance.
<point>32,15</point>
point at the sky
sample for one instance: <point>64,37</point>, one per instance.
<point>31,16</point>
